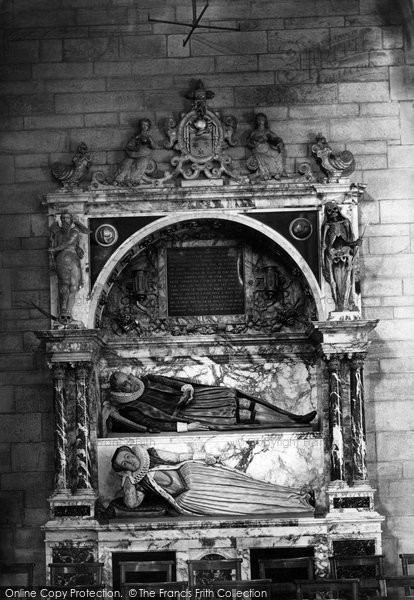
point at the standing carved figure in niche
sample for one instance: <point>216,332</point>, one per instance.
<point>138,164</point>
<point>65,255</point>
<point>193,488</point>
<point>339,250</point>
<point>157,403</point>
<point>268,158</point>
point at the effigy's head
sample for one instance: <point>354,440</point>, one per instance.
<point>135,460</point>
<point>124,387</point>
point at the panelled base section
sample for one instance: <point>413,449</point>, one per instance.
<point>192,539</point>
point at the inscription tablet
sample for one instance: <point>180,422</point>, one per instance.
<point>205,280</point>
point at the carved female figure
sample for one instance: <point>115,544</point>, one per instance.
<point>65,254</point>
<point>196,488</point>
<point>138,163</point>
<point>268,151</point>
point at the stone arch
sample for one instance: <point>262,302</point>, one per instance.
<point>171,219</point>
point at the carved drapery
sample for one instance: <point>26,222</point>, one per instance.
<point>358,436</point>
<point>82,428</point>
<point>58,372</point>
<point>336,432</point>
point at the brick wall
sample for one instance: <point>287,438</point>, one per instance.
<point>89,69</point>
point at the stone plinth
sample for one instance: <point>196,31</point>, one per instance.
<point>192,539</point>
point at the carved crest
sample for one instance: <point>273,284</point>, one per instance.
<point>200,137</point>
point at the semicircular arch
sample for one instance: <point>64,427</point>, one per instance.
<point>171,219</point>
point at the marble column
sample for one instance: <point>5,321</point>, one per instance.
<point>336,432</point>
<point>61,487</point>
<point>358,436</point>
<point>82,430</point>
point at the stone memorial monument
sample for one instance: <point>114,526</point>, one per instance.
<point>213,400</point>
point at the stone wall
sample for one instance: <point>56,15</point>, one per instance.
<point>89,69</point>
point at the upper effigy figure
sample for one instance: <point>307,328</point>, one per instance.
<point>157,403</point>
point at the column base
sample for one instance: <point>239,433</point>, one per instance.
<point>344,497</point>
<point>62,494</point>
<point>344,315</point>
<point>80,505</point>
<point>85,493</point>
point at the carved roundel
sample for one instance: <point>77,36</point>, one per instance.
<point>300,229</point>
<point>106,235</point>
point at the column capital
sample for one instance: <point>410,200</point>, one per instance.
<point>333,362</point>
<point>58,370</point>
<point>82,369</point>
<point>356,360</point>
